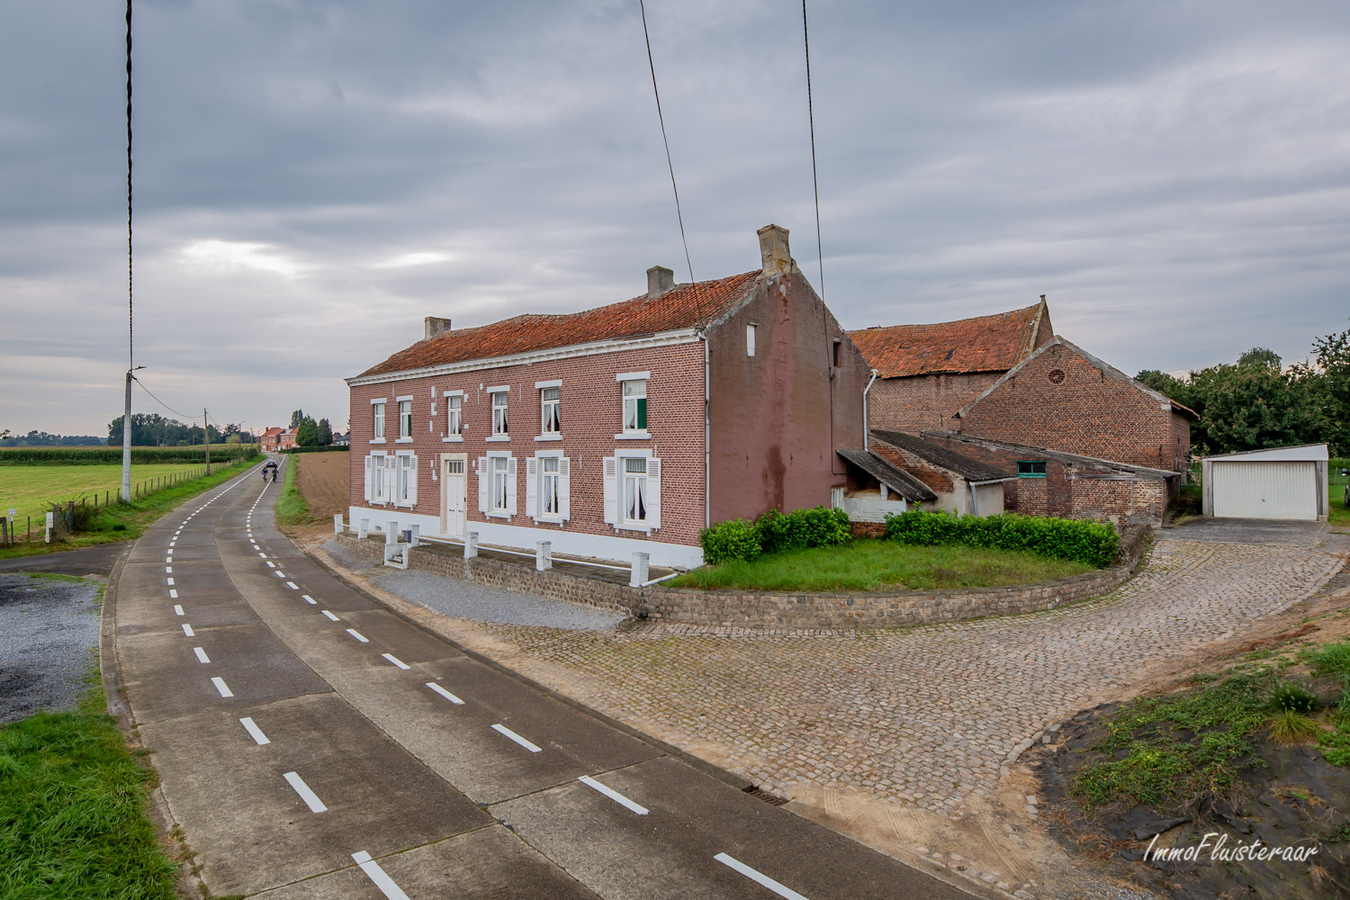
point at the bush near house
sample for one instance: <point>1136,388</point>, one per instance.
<point>737,539</point>
<point>1091,543</point>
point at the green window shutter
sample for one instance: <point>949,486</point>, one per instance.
<point>642,414</point>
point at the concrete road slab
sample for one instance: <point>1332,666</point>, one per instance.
<point>86,561</point>
<point>164,679</point>
<point>672,850</point>
<point>1247,531</point>
<point>205,610</point>
<point>489,864</point>
<point>231,795</point>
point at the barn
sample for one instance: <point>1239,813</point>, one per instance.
<point>1283,483</point>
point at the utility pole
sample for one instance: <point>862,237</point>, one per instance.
<point>206,439</point>
<point>126,443</point>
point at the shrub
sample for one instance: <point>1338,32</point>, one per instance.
<point>733,539</point>
<point>1091,543</point>
<point>805,528</point>
<point>1290,697</point>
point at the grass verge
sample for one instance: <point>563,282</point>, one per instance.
<point>73,810</point>
<point>291,508</point>
<point>127,521</point>
<point>875,565</point>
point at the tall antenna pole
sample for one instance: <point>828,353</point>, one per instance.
<point>131,358</point>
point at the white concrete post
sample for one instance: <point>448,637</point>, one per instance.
<point>641,569</point>
<point>391,534</point>
<point>364,529</point>
<point>543,555</point>
<point>50,525</point>
<point>416,533</point>
<point>470,545</point>
<point>337,523</point>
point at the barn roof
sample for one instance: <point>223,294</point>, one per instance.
<point>898,480</point>
<point>981,344</point>
<point>971,470</point>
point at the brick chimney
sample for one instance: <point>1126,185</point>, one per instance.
<point>433,326</point>
<point>773,249</point>
<point>659,280</point>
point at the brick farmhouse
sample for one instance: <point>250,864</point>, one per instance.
<point>624,428</point>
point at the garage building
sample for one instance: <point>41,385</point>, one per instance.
<point>1285,483</point>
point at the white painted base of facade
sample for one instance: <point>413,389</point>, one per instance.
<point>616,549</point>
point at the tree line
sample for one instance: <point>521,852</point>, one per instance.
<point>310,433</point>
<point>1257,402</point>
<point>153,430</point>
<point>43,439</point>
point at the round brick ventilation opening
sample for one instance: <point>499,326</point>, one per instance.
<point>1056,376</point>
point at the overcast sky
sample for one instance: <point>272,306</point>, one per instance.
<point>312,178</point>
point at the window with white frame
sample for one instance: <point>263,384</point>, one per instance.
<point>378,487</point>
<point>405,419</point>
<point>378,407</point>
<point>499,424</point>
<point>454,415</point>
<point>405,480</point>
<point>635,405</point>
<point>549,488</point>
<point>550,418</point>
<point>497,485</point>
<point>632,492</point>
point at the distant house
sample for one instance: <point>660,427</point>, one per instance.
<point>624,428</point>
<point>270,440</point>
<point>925,373</point>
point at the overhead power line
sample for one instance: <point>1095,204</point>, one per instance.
<point>661,118</point>
<point>811,117</point>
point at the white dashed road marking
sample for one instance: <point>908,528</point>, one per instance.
<point>444,693</point>
<point>177,610</point>
<point>292,585</point>
<point>502,729</point>
<point>376,874</point>
<point>613,795</point>
<point>311,799</point>
<point>309,599</point>
<point>254,731</point>
<point>201,655</point>
<point>222,686</point>
<point>329,615</point>
<point>173,595</point>
<point>187,630</point>
<point>396,661</point>
<point>358,635</point>
<point>759,877</point>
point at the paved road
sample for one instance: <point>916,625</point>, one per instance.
<point>312,744</point>
<point>97,560</point>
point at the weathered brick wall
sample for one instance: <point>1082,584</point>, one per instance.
<point>935,479</point>
<point>746,609</point>
<point>591,413</point>
<point>1062,401</point>
<point>924,402</point>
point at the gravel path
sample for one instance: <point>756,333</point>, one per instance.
<point>480,603</point>
<point>47,630</point>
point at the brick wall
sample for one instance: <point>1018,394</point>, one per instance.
<point>591,413</point>
<point>1063,401</point>
<point>746,609</point>
<point>924,402</point>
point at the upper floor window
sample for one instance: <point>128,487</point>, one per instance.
<point>635,405</point>
<point>550,417</point>
<point>454,415</point>
<point>405,419</point>
<point>499,401</point>
<point>379,419</point>
<point>1031,468</point>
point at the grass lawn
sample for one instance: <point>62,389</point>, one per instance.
<point>29,489</point>
<point>875,565</point>
<point>73,810</point>
<point>121,521</point>
<point>1337,513</point>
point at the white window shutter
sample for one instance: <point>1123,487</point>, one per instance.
<point>390,478</point>
<point>565,488</point>
<point>654,493</point>
<point>532,487</point>
<point>511,486</point>
<point>611,490</point>
<point>412,483</point>
<point>483,479</point>
<point>367,481</point>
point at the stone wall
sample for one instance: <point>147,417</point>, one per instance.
<point>748,609</point>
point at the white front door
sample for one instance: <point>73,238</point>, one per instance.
<point>453,499</point>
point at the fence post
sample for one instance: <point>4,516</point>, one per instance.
<point>391,534</point>
<point>364,529</point>
<point>543,555</point>
<point>470,544</point>
<point>416,534</point>
<point>49,528</point>
<point>641,569</point>
<point>337,523</point>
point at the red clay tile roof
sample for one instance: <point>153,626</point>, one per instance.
<point>684,306</point>
<point>983,344</point>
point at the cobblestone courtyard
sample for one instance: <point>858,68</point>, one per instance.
<point>928,717</point>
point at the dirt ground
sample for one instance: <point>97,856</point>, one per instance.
<point>324,480</point>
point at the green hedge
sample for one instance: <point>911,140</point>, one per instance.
<point>81,456</point>
<point>1091,543</point>
<point>326,448</point>
<point>773,532</point>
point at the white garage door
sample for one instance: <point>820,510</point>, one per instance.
<point>1265,490</point>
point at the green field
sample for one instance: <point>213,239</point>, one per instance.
<point>30,489</point>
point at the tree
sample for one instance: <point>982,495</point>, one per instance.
<point>1333,358</point>
<point>1255,406</point>
<point>1260,357</point>
<point>297,417</point>
<point>307,433</point>
<point>325,433</point>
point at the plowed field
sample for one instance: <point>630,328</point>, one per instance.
<point>324,481</point>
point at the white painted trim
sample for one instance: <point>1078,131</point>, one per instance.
<point>633,376</point>
<point>453,439</point>
<point>452,393</point>
<point>498,437</point>
<point>499,389</point>
<point>407,397</point>
<point>548,437</point>
<point>633,436</point>
<point>377,441</point>
<point>524,537</point>
<point>406,440</point>
<point>379,400</point>
<point>540,385</point>
<point>616,345</point>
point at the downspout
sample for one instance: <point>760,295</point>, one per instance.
<point>867,426</point>
<point>707,435</point>
<point>974,500</point>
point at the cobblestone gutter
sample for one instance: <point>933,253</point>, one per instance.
<point>752,610</point>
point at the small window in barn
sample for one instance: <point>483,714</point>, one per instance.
<point>1031,468</point>
<point>836,352</point>
<point>750,339</point>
